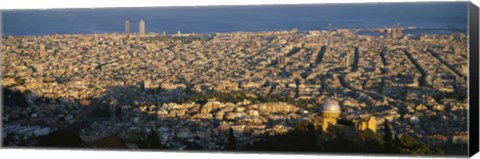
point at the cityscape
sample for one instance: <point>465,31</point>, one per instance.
<point>325,90</point>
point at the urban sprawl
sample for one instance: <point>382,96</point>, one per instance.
<point>418,84</point>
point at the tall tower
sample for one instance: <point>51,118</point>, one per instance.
<point>399,30</point>
<point>394,33</point>
<point>281,60</point>
<point>141,27</point>
<point>42,47</point>
<point>127,27</point>
<point>350,59</point>
<point>41,50</point>
<point>330,34</point>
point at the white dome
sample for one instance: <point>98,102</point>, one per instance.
<point>330,106</point>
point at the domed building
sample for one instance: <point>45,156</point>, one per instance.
<point>329,111</point>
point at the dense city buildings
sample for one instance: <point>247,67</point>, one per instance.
<point>101,85</point>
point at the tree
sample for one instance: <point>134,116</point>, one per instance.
<point>155,142</point>
<point>372,142</point>
<point>9,139</point>
<point>359,142</point>
<point>308,133</point>
<point>388,137</point>
<point>60,138</point>
<point>408,145</point>
<point>14,98</point>
<point>341,144</point>
<point>147,140</point>
<point>344,139</point>
<point>232,145</point>
<point>302,138</point>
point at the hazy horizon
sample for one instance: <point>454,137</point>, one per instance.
<point>430,18</point>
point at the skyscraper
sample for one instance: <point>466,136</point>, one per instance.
<point>41,50</point>
<point>42,47</point>
<point>127,27</point>
<point>141,27</point>
<point>281,60</point>
<point>393,34</point>
<point>350,59</point>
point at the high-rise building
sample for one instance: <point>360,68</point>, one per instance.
<point>350,59</point>
<point>42,47</point>
<point>393,34</point>
<point>281,60</point>
<point>141,27</point>
<point>41,50</point>
<point>127,27</point>
<point>456,50</point>
<point>329,41</point>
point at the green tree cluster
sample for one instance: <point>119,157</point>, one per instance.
<point>408,145</point>
<point>235,97</point>
<point>152,142</point>
<point>304,138</point>
<point>301,139</point>
<point>145,140</point>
